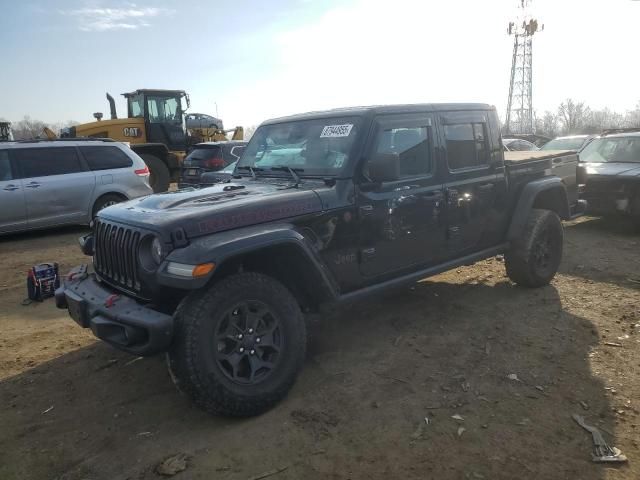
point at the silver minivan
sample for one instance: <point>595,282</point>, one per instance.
<point>46,183</point>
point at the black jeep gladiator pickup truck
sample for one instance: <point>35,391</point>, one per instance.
<point>324,207</point>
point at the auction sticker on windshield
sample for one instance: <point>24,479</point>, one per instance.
<point>336,130</point>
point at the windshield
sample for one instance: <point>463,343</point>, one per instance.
<point>312,147</point>
<point>564,144</point>
<point>164,109</point>
<point>612,149</point>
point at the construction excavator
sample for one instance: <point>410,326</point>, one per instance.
<point>157,128</point>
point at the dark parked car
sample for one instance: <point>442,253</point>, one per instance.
<point>573,142</point>
<point>224,175</point>
<point>330,207</point>
<point>610,167</point>
<point>208,157</point>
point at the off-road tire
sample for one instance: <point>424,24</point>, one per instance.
<point>158,173</point>
<point>191,359</point>
<point>525,263</point>
<point>106,201</point>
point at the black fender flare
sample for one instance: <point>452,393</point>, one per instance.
<point>527,199</point>
<point>222,247</point>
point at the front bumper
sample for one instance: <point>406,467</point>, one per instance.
<point>117,319</point>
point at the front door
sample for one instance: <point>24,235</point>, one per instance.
<point>13,212</point>
<point>401,222</point>
<point>473,185</point>
<point>58,187</point>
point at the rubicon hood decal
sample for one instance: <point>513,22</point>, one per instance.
<point>229,220</point>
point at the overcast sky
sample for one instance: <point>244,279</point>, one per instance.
<point>260,59</point>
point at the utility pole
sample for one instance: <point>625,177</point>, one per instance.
<point>520,102</point>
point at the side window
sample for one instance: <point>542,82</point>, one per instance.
<point>137,106</point>
<point>5,167</point>
<point>44,162</point>
<point>466,145</point>
<point>105,158</point>
<point>412,146</point>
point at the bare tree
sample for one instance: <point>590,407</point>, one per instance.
<point>548,125</point>
<point>600,120</point>
<point>28,128</point>
<point>573,115</point>
<point>249,131</point>
<point>632,118</point>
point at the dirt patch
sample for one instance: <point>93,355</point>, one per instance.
<point>449,346</point>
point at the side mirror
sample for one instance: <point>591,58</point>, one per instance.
<point>384,167</point>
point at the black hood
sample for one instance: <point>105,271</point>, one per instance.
<point>219,207</point>
<point>618,170</point>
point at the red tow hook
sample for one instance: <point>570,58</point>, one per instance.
<point>111,300</point>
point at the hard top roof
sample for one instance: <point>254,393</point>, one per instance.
<point>382,109</point>
<point>154,90</point>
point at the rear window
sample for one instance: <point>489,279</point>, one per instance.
<point>44,162</point>
<point>105,158</point>
<point>204,153</point>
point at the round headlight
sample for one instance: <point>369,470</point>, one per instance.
<point>157,252</point>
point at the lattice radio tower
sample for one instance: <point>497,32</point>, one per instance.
<point>520,103</point>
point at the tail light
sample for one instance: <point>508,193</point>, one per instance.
<point>214,162</point>
<point>143,172</point>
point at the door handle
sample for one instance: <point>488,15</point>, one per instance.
<point>32,185</point>
<point>487,187</point>
<point>11,187</point>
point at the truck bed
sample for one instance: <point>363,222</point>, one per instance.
<point>561,163</point>
<point>514,158</point>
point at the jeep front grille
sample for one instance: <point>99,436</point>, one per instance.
<point>116,254</point>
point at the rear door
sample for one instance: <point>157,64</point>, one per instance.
<point>401,225</point>
<point>57,184</point>
<point>109,164</point>
<point>474,184</point>
<point>13,210</point>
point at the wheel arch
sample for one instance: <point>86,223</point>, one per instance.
<point>278,251</point>
<point>547,194</point>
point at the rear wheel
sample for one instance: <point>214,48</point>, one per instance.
<point>239,345</point>
<point>534,257</point>
<point>159,173</point>
<point>106,201</point>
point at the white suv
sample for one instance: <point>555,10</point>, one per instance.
<point>46,183</point>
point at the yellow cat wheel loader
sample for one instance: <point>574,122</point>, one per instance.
<point>157,129</point>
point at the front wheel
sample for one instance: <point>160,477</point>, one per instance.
<point>534,257</point>
<point>239,345</point>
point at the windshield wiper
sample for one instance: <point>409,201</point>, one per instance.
<point>292,172</point>
<point>251,169</point>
